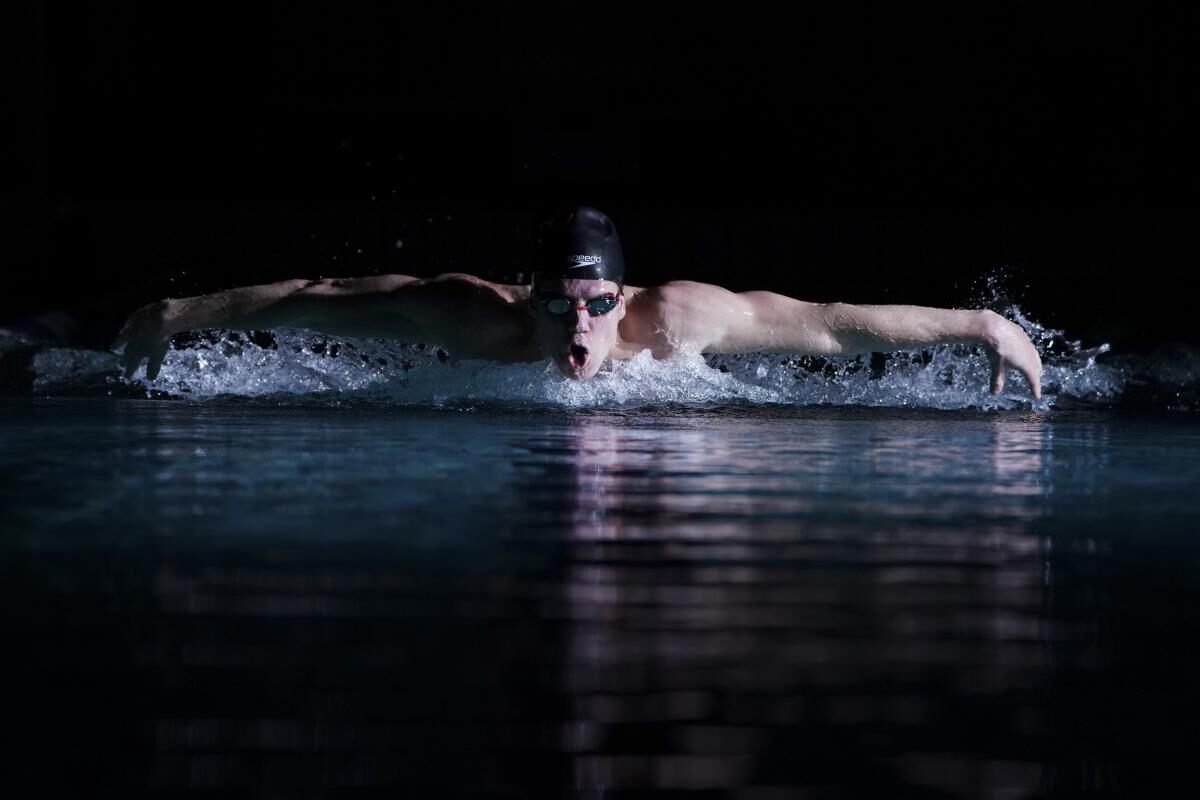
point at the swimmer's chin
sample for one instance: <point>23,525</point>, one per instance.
<point>579,363</point>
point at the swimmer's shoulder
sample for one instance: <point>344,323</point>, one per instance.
<point>653,300</point>
<point>666,316</point>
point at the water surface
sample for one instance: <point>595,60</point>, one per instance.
<point>491,599</point>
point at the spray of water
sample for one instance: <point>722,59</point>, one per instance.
<point>299,366</point>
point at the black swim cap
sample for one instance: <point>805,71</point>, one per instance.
<point>585,246</point>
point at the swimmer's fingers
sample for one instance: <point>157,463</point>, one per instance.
<point>999,367</point>
<point>145,336</point>
<point>1008,347</point>
<point>1025,359</point>
<point>155,360</point>
<point>1030,369</point>
<point>130,362</point>
<point>1034,376</point>
<point>152,353</point>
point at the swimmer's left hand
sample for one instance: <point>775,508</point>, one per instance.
<point>146,335</point>
<point>1009,348</point>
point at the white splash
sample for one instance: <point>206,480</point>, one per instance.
<point>300,365</point>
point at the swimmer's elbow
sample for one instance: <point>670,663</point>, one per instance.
<point>784,325</point>
<point>327,305</point>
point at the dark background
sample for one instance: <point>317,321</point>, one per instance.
<point>864,153</point>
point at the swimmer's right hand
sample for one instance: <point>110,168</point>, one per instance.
<point>147,335</point>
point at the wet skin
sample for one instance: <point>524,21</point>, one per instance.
<point>477,319</point>
<point>577,341</point>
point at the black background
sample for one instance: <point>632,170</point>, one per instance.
<point>863,153</point>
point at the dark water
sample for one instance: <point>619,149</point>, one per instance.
<point>752,602</point>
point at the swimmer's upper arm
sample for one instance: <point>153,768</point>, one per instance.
<point>368,306</point>
<point>720,321</point>
<point>398,306</point>
<point>773,322</point>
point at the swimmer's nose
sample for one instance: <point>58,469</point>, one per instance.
<point>583,320</point>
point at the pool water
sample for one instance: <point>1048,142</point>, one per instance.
<point>495,598</point>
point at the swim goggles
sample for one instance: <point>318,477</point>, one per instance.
<point>596,306</point>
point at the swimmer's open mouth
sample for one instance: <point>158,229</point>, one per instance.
<point>578,356</point>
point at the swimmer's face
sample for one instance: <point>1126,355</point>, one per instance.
<point>578,340</point>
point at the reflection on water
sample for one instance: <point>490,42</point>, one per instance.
<point>294,604</point>
<point>743,615</point>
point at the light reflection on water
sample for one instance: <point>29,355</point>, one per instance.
<point>595,604</point>
<point>788,604</point>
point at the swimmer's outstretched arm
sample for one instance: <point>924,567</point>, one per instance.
<point>371,306</point>
<point>724,322</point>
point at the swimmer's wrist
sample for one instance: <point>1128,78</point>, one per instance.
<point>984,324</point>
<point>180,315</point>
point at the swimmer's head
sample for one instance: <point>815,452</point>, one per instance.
<point>583,246</point>
<point>576,297</point>
<point>577,323</point>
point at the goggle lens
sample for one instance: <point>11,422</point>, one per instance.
<point>596,306</point>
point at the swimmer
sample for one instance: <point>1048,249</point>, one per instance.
<point>578,313</point>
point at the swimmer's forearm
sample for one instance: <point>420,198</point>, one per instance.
<point>337,307</point>
<point>766,321</point>
<point>347,307</point>
<point>867,329</point>
<point>244,308</point>
<point>862,329</point>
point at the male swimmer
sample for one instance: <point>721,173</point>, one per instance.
<point>578,313</point>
